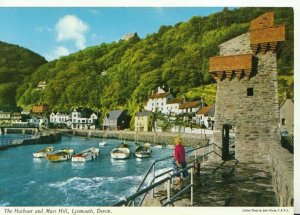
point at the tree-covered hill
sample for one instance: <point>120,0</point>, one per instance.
<point>123,74</point>
<point>16,66</point>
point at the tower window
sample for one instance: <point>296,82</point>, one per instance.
<point>250,92</point>
<point>283,121</point>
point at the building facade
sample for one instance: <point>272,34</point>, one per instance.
<point>143,121</point>
<point>247,92</point>
<point>287,116</point>
<point>116,120</point>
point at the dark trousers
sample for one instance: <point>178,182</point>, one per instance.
<point>176,169</point>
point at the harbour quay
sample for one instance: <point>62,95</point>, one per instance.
<point>160,138</point>
<point>39,138</point>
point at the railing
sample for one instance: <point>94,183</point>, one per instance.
<point>131,200</point>
<point>14,140</point>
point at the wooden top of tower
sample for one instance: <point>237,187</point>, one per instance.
<point>264,21</point>
<point>264,33</point>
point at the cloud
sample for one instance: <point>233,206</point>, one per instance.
<point>59,51</point>
<point>72,28</point>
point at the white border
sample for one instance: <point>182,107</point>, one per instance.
<point>192,3</point>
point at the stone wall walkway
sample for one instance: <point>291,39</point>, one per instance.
<point>226,184</point>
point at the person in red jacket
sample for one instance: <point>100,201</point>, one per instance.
<point>179,161</point>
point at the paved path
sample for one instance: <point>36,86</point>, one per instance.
<point>227,184</point>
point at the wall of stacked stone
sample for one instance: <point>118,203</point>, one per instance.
<point>42,139</point>
<point>190,140</point>
<point>255,117</point>
<point>282,168</point>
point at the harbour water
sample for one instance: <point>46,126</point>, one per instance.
<point>28,181</point>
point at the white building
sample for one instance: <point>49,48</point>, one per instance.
<point>39,121</point>
<point>173,105</point>
<point>158,101</point>
<point>205,116</point>
<point>189,107</point>
<point>83,118</point>
<point>59,118</point>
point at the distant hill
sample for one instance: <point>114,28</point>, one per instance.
<point>16,67</point>
<point>123,74</point>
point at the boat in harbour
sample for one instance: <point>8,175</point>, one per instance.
<point>171,146</point>
<point>103,142</point>
<point>121,152</point>
<point>148,144</point>
<point>42,153</point>
<point>143,152</point>
<point>160,146</point>
<point>60,155</point>
<point>86,155</point>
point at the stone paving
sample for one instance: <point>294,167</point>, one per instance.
<point>226,184</point>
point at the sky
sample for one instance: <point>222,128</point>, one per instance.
<point>55,32</point>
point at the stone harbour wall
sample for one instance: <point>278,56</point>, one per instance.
<point>282,168</point>
<point>190,140</point>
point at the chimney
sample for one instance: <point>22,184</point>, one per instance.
<point>152,92</point>
<point>169,90</point>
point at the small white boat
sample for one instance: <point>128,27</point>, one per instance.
<point>60,155</point>
<point>143,152</point>
<point>171,146</point>
<point>148,144</point>
<point>121,152</point>
<point>86,155</point>
<point>159,146</point>
<point>42,153</point>
<point>102,143</point>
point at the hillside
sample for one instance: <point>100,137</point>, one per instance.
<point>123,74</point>
<point>16,66</point>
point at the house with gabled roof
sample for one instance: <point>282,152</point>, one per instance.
<point>83,118</point>
<point>205,116</point>
<point>143,121</point>
<point>189,107</point>
<point>116,120</point>
<point>173,106</point>
<point>59,117</point>
<point>158,101</point>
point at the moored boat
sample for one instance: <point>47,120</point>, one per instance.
<point>42,153</point>
<point>143,152</point>
<point>171,146</point>
<point>160,146</point>
<point>121,152</point>
<point>148,144</point>
<point>60,155</point>
<point>86,155</point>
<point>103,142</point>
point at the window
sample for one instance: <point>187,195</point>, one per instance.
<point>283,121</point>
<point>250,92</point>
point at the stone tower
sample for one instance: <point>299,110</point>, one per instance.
<point>247,92</point>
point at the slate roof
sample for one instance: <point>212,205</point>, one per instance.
<point>174,101</point>
<point>159,95</point>
<point>189,105</point>
<point>144,113</point>
<point>114,114</point>
<point>207,111</point>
